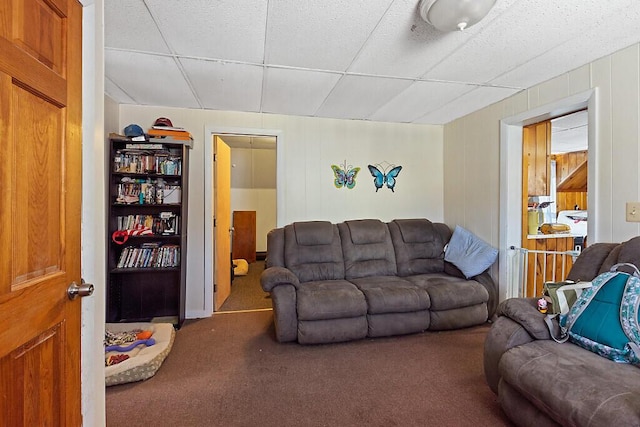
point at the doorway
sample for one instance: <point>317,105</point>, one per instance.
<point>253,212</point>
<point>554,202</point>
<point>511,133</point>
<point>255,185</point>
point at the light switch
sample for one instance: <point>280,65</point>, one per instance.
<point>633,211</point>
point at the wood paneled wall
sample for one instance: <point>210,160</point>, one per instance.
<point>565,165</point>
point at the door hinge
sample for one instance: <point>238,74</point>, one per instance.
<point>215,157</point>
<point>215,222</point>
<point>215,288</point>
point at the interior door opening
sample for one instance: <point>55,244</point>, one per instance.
<point>554,196</point>
<point>251,208</point>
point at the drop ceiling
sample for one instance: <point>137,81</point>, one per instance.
<point>348,59</point>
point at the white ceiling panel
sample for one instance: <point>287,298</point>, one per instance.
<point>357,59</point>
<point>357,97</point>
<point>470,102</point>
<point>409,45</point>
<point>225,86</point>
<point>571,54</point>
<point>253,142</point>
<point>532,31</point>
<point>570,133</point>
<point>115,93</point>
<point>149,79</point>
<point>131,27</point>
<point>221,29</point>
<point>419,99</point>
<point>293,91</point>
<point>320,34</point>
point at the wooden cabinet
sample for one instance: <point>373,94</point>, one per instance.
<point>244,235</point>
<point>147,223</point>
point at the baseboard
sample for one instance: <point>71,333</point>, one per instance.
<point>261,256</point>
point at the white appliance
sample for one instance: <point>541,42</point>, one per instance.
<point>576,220</point>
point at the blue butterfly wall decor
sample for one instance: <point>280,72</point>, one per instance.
<point>345,176</point>
<point>380,178</point>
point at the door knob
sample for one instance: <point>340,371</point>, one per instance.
<point>84,290</point>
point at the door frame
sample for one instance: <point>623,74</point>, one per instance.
<point>209,243</point>
<point>511,177</point>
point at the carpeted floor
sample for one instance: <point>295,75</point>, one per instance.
<point>228,370</point>
<point>246,293</point>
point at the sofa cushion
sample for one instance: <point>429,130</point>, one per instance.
<point>366,231</point>
<point>416,230</point>
<point>392,294</point>
<point>587,266</point>
<point>331,299</point>
<point>312,233</point>
<point>469,253</point>
<point>572,385</point>
<point>629,253</point>
<point>418,245</point>
<point>447,292</point>
<point>313,260</point>
<point>367,249</point>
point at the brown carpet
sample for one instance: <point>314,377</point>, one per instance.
<point>229,371</point>
<point>246,292</point>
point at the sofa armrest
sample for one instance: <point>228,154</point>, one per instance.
<point>485,280</point>
<point>274,276</point>
<point>524,311</point>
<point>503,335</point>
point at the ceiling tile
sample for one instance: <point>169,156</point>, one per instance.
<point>419,99</point>
<point>131,27</point>
<point>320,34</point>
<point>221,29</point>
<point>292,91</point>
<point>114,92</point>
<point>149,79</point>
<point>523,32</point>
<point>409,45</point>
<point>622,31</point>
<point>357,97</point>
<point>289,56</point>
<point>468,103</point>
<point>225,86</point>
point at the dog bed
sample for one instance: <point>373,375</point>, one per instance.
<point>240,267</point>
<point>143,361</point>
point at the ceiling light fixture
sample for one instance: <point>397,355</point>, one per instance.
<point>451,15</point>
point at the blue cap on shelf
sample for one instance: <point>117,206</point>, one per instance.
<point>133,130</point>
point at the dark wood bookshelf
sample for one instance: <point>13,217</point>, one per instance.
<point>137,293</point>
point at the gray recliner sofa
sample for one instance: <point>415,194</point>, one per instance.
<point>366,278</point>
<point>542,383</point>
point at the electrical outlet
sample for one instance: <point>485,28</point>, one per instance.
<point>633,211</point>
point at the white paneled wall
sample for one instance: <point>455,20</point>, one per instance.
<point>471,149</point>
<point>309,147</point>
<point>253,188</point>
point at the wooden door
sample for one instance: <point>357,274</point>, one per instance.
<point>40,190</point>
<point>222,221</point>
<point>244,235</point>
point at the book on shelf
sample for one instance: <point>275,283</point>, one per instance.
<point>171,140</point>
<point>150,255</point>
<point>145,146</point>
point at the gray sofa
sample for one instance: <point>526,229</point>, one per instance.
<point>366,278</point>
<point>542,383</point>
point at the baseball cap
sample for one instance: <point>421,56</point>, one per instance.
<point>163,121</point>
<point>133,130</point>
